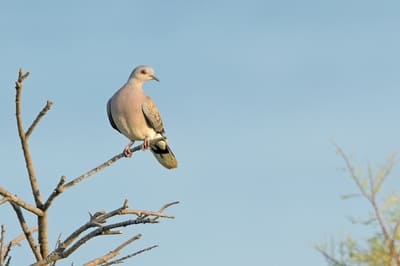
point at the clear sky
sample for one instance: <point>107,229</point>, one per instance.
<point>252,95</point>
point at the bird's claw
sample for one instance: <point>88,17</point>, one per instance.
<point>146,144</point>
<point>127,151</point>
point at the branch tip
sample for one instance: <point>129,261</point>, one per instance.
<point>125,205</point>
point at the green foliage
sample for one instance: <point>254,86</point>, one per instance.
<point>380,249</point>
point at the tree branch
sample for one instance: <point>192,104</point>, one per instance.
<point>113,253</point>
<point>12,198</point>
<point>24,141</point>
<point>98,219</point>
<point>2,243</point>
<point>4,200</point>
<point>40,115</point>
<point>105,164</point>
<point>61,186</point>
<point>374,186</point>
<point>56,192</point>
<point>16,241</point>
<point>43,235</point>
<point>118,261</point>
<point>27,231</point>
<point>42,220</point>
<point>106,230</point>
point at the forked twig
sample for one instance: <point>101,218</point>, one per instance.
<point>113,253</point>
<point>98,221</point>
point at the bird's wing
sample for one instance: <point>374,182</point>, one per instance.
<point>152,115</point>
<point>110,118</point>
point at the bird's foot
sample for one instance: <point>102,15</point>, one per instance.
<point>127,150</point>
<point>146,144</point>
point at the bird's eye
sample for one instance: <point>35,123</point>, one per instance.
<point>143,71</point>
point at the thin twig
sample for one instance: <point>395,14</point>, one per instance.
<point>57,191</point>
<point>95,220</point>
<point>27,232</point>
<point>8,261</point>
<point>17,240</point>
<point>40,115</point>
<point>4,200</point>
<point>162,210</point>
<point>352,172</point>
<point>7,252</point>
<point>2,243</point>
<point>118,261</point>
<point>113,253</point>
<point>144,213</point>
<point>331,260</point>
<point>104,165</point>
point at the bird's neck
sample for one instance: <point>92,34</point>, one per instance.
<point>135,83</point>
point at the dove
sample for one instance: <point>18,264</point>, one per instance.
<point>134,114</point>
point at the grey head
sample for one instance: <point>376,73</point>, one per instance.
<point>143,73</point>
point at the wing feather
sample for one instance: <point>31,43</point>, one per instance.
<point>152,115</point>
<point>110,118</point>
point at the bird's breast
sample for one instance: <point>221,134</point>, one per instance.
<point>129,117</point>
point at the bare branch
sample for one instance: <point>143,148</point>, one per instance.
<point>145,213</point>
<point>27,231</point>
<point>24,142</point>
<point>12,198</point>
<point>7,251</point>
<point>16,241</point>
<point>42,220</point>
<point>113,253</point>
<point>118,261</point>
<point>4,200</point>
<point>57,191</point>
<point>98,219</point>
<point>105,164</point>
<point>168,205</point>
<point>42,113</point>
<point>2,243</point>
<point>60,253</point>
<point>105,230</point>
<point>162,210</point>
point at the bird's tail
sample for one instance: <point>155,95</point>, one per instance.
<point>164,155</point>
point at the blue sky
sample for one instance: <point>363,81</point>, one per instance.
<point>252,95</point>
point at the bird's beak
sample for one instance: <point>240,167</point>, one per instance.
<point>155,78</point>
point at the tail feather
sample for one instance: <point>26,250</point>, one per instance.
<point>165,156</point>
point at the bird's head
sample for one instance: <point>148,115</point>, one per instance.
<point>143,73</point>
